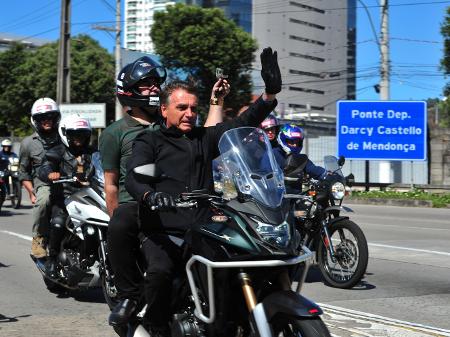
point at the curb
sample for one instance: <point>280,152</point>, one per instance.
<point>390,202</point>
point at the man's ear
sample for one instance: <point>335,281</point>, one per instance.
<point>164,111</point>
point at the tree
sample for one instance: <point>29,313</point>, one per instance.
<point>196,41</point>
<point>445,65</point>
<point>32,74</point>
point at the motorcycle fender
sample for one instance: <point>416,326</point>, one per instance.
<point>338,208</point>
<point>290,303</point>
<point>337,219</point>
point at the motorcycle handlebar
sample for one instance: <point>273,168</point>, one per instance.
<point>179,204</point>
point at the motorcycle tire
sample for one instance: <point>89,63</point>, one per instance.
<point>352,257</point>
<point>305,327</point>
<point>17,191</point>
<point>112,301</point>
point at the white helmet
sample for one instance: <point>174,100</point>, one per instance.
<point>74,126</point>
<point>44,107</point>
<point>6,142</point>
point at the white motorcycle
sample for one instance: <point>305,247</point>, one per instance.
<point>82,262</point>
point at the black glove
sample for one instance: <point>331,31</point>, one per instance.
<point>159,201</point>
<point>270,71</point>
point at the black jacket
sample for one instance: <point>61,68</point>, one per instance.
<point>186,159</point>
<point>67,166</point>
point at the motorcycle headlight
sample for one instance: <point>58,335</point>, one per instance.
<point>338,190</point>
<point>2,174</point>
<point>277,235</point>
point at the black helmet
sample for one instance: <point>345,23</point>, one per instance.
<point>131,74</point>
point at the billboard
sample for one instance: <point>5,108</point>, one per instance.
<point>382,130</point>
<point>94,112</point>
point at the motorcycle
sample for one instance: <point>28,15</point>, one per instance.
<point>14,185</point>
<point>240,265</point>
<point>82,261</point>
<point>339,243</point>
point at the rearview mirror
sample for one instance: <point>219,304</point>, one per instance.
<point>341,161</point>
<point>295,163</point>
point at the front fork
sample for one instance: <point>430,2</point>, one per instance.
<point>327,240</point>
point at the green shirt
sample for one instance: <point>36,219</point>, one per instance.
<point>115,146</point>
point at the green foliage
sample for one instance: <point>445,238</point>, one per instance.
<point>32,74</point>
<point>196,41</point>
<point>444,107</point>
<point>439,200</point>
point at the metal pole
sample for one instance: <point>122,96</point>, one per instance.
<point>118,113</point>
<point>63,75</point>
<point>412,176</point>
<point>384,166</point>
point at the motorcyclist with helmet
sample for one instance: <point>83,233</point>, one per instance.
<point>290,139</point>
<point>185,153</point>
<point>45,117</point>
<point>6,155</point>
<point>138,87</point>
<point>72,158</point>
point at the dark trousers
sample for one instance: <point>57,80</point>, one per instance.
<point>123,250</point>
<point>163,258</point>
<point>57,225</point>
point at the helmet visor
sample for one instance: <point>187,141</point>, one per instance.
<point>79,135</point>
<point>46,116</point>
<point>156,73</point>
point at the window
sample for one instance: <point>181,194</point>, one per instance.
<point>307,57</point>
<point>312,91</point>
<point>304,39</point>
<point>302,106</point>
<point>304,73</point>
<point>309,24</point>
<point>310,8</point>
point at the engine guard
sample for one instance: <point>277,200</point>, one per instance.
<point>289,303</point>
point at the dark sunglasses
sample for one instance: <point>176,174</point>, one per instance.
<point>148,82</point>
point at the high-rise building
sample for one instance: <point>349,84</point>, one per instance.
<point>315,41</point>
<point>138,21</point>
<point>139,18</point>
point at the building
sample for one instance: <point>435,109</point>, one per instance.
<point>7,39</point>
<point>138,16</point>
<point>315,41</point>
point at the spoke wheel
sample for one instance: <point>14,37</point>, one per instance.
<point>351,255</point>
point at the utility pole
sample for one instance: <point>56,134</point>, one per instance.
<point>117,55</point>
<point>118,66</point>
<point>63,76</point>
<point>384,166</point>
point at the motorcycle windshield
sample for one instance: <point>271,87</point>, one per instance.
<point>331,165</point>
<point>97,163</point>
<point>248,161</point>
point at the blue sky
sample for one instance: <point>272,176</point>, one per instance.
<point>415,50</point>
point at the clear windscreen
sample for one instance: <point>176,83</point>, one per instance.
<point>247,162</point>
<point>331,165</point>
<point>97,163</point>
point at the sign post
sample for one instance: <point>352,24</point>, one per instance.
<point>382,130</point>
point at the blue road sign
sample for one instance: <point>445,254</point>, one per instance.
<point>382,130</point>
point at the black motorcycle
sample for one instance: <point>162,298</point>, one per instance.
<point>14,185</point>
<point>340,244</point>
<point>239,266</point>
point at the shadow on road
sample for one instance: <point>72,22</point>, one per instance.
<point>3,265</point>
<point>6,319</point>
<point>90,295</point>
<point>314,275</point>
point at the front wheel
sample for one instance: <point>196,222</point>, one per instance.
<point>294,327</point>
<point>351,255</point>
<point>109,292</point>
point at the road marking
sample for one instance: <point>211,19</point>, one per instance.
<point>410,249</point>
<point>383,326</point>
<point>403,227</point>
<point>25,237</point>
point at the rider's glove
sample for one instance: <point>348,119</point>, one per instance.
<point>270,71</point>
<point>159,201</point>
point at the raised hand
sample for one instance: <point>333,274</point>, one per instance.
<point>270,71</point>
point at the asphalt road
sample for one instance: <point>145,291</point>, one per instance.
<point>406,291</point>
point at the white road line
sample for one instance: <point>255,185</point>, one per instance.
<point>384,320</point>
<point>403,227</point>
<point>410,249</point>
<point>25,237</point>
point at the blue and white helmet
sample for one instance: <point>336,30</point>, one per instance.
<point>291,138</point>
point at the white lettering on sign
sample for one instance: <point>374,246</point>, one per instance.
<point>367,114</point>
<point>411,130</point>
<point>389,147</point>
<point>356,131</point>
